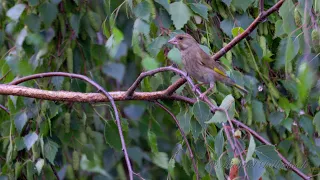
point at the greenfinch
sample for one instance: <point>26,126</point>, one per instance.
<point>199,65</point>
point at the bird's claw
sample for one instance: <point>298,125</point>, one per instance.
<point>202,96</point>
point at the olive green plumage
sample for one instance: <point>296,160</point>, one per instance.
<point>199,64</point>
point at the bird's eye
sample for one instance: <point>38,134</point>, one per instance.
<point>180,38</point>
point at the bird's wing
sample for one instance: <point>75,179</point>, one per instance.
<point>207,61</point>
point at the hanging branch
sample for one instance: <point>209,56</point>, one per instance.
<point>183,135</point>
<point>100,89</point>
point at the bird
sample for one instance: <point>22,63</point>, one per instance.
<point>199,65</point>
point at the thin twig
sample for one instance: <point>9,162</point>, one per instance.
<point>4,108</point>
<point>243,35</point>
<point>183,135</point>
<point>54,172</point>
<point>85,78</point>
<point>261,7</point>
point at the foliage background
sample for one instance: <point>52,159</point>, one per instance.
<point>112,42</point>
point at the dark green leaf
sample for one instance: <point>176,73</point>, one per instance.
<point>115,70</point>
<point>161,160</point>
<point>33,22</point>
<point>258,112</point>
<point>75,23</point>
<point>134,112</point>
<point>200,9</point>
<point>268,156</point>
<point>20,120</point>
<point>156,45</point>
<point>201,112</point>
<point>164,3</point>
<point>152,139</point>
<point>316,121</point>
<point>48,13</point>
<point>50,150</point>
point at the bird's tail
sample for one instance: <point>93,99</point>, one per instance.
<point>240,87</point>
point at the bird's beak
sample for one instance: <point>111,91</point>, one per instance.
<point>173,41</point>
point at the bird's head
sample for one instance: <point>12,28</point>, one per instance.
<point>183,41</point>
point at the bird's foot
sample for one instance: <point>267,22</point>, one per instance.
<point>202,96</point>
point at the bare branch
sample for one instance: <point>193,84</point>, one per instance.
<point>246,33</point>
<point>183,135</point>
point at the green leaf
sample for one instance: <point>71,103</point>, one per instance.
<point>200,9</point>
<point>136,154</point>
<point>143,10</point>
<point>195,129</point>
<point>255,169</point>
<point>242,4</point>
<point>149,63</point>
<point>30,139</point>
<point>258,111</point>
<point>171,167</point>
<point>15,12</point>
<point>48,13</point>
<point>184,119</point>
<point>228,104</point>
<point>286,12</point>
<point>219,168</point>
<point>306,78</point>
<point>164,3</point>
<point>115,70</point>
<point>227,2</point>
<point>275,118</point>
<point>39,165</point>
<point>175,56</point>
<point>268,156</point>
<point>134,111</point>
<point>50,150</point>
<point>219,143</point>
<point>161,159</point>
<point>33,22</point>
<point>20,120</point>
<point>156,45</point>
<point>152,139</point>
<point>111,135</point>
<point>75,23</point>
<point>92,166</point>
<point>19,142</point>
<point>236,31</point>
<point>251,149</point>
<point>316,122</point>
<point>33,2</point>
<point>141,26</point>
<point>201,112</point>
<point>180,14</point>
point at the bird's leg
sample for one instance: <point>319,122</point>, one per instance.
<point>209,89</point>
<point>197,86</point>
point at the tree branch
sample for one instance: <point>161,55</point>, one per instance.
<point>183,135</point>
<point>87,97</point>
<point>261,6</point>
<point>85,78</point>
<point>246,33</point>
<point>261,139</point>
